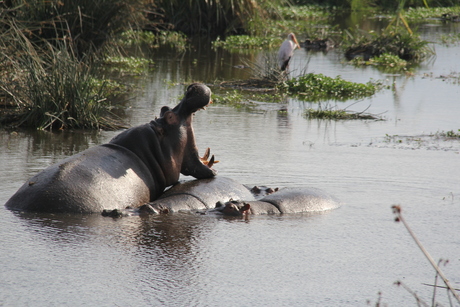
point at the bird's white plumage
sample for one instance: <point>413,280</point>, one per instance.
<point>286,51</point>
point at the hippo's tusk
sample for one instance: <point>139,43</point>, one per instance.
<point>206,155</point>
<point>211,162</point>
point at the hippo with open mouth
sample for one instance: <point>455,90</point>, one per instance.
<point>134,168</point>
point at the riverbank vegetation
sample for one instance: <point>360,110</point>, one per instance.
<point>55,55</point>
<point>49,55</point>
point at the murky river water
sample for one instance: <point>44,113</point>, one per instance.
<point>340,258</point>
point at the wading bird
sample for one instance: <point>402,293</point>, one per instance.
<point>286,51</point>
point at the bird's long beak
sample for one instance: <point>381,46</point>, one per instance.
<point>295,41</point>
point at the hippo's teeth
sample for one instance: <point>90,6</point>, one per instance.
<point>211,162</point>
<point>206,155</point>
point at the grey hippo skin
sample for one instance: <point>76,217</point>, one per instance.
<point>226,196</point>
<point>134,168</point>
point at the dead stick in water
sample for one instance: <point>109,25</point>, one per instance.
<point>399,218</point>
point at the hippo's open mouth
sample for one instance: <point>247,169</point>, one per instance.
<point>197,97</point>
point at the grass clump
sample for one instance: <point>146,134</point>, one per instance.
<point>58,93</point>
<point>266,69</point>
<point>49,85</point>
<point>403,45</point>
<point>244,42</point>
<point>48,51</point>
<point>228,97</point>
<point>386,62</point>
<point>337,114</point>
<point>130,65</point>
<point>314,87</point>
<point>233,98</point>
<point>451,134</point>
<point>173,39</point>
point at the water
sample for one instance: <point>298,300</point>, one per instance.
<point>340,258</point>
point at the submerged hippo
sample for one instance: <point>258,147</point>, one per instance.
<point>134,168</point>
<point>226,196</point>
<point>283,201</point>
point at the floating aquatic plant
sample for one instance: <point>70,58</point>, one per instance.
<point>244,42</point>
<point>313,87</point>
<point>386,62</point>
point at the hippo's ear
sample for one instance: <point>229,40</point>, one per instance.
<point>171,118</point>
<point>164,110</point>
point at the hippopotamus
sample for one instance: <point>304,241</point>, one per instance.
<point>134,168</point>
<point>226,196</point>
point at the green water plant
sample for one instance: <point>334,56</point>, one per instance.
<point>314,87</point>
<point>173,39</point>
<point>233,98</point>
<point>337,114</point>
<point>245,42</point>
<point>386,62</point>
<point>451,134</point>
<point>128,64</point>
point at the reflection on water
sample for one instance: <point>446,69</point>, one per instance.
<point>341,258</point>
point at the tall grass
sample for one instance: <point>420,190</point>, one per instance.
<point>47,53</point>
<point>216,17</point>
<point>50,85</point>
<point>267,68</point>
<point>86,24</point>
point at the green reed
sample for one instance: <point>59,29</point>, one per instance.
<point>50,85</point>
